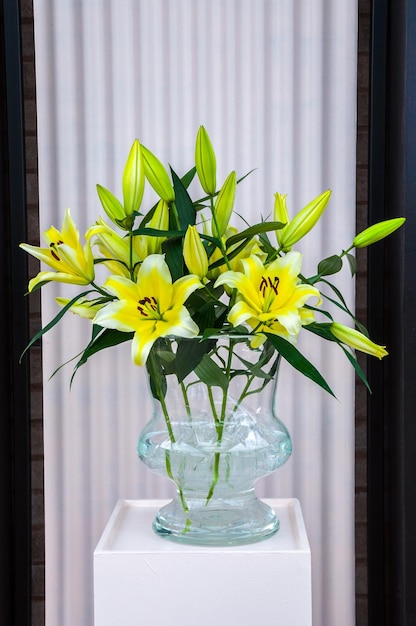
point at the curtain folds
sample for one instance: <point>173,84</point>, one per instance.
<point>274,83</point>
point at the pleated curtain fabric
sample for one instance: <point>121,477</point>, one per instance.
<point>274,83</point>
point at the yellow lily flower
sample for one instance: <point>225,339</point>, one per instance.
<point>304,221</point>
<point>270,298</point>
<point>152,307</point>
<point>157,176</point>
<point>194,253</point>
<point>205,162</point>
<point>71,262</point>
<point>353,338</point>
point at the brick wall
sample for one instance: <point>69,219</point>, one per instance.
<point>38,521</point>
<point>38,528</point>
<point>364,42</point>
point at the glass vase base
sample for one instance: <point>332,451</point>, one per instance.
<point>216,524</point>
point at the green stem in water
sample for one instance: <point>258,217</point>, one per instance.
<point>219,423</point>
<point>160,396</point>
<point>186,401</point>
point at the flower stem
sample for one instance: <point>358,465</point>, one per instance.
<point>219,423</point>
<point>160,396</point>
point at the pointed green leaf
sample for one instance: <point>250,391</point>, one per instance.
<point>108,338</point>
<point>356,366</point>
<point>55,320</point>
<point>184,205</point>
<point>331,265</point>
<point>211,374</point>
<point>352,263</point>
<point>188,356</point>
<point>298,361</point>
<point>250,232</point>
<point>188,177</point>
<point>173,256</point>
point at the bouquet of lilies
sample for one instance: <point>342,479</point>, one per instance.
<point>182,269</point>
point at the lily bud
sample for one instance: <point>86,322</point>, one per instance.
<point>357,340</point>
<point>133,180</point>
<point>160,221</point>
<point>157,176</point>
<point>280,214</point>
<point>194,253</point>
<point>377,231</point>
<point>224,205</point>
<point>205,162</point>
<point>304,221</point>
<point>111,205</point>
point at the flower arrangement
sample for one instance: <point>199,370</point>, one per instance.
<point>183,269</point>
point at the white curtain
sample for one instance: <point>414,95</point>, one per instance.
<point>274,83</point>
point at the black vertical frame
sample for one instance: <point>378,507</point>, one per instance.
<point>15,482</point>
<point>391,311</point>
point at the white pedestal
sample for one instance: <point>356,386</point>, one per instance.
<point>142,579</point>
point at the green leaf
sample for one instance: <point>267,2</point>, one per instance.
<point>250,232</point>
<point>155,232</point>
<point>352,263</point>
<point>157,378</point>
<point>108,338</point>
<point>356,366</point>
<point>188,177</point>
<point>211,374</point>
<point>55,320</point>
<point>184,205</point>
<point>331,265</point>
<point>322,330</point>
<point>173,256</point>
<point>188,356</point>
<point>298,361</point>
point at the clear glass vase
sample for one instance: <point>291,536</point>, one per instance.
<point>214,433</point>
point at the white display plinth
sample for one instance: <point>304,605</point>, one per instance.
<point>141,578</point>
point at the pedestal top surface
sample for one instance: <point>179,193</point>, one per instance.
<point>129,529</point>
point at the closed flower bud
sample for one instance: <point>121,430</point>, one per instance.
<point>205,162</point>
<point>224,205</point>
<point>280,214</point>
<point>157,176</point>
<point>133,180</point>
<point>194,253</point>
<point>357,340</point>
<point>377,231</point>
<point>304,221</point>
<point>160,221</point>
<point>111,205</point>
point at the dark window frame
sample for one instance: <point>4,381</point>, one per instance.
<point>15,457</point>
<point>391,318</point>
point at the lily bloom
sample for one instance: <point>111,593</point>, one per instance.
<point>270,298</point>
<point>71,262</point>
<point>152,307</point>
